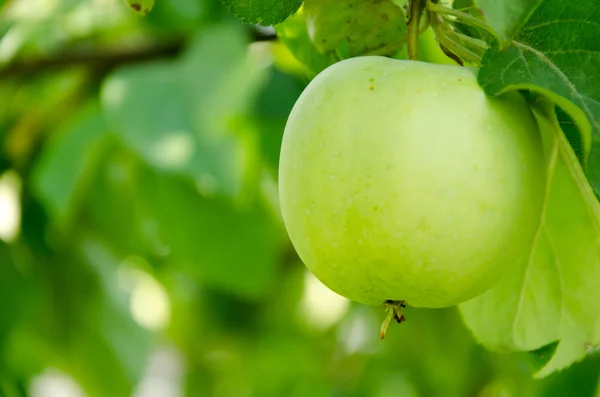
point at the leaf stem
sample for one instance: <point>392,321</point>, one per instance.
<point>449,41</point>
<point>461,17</point>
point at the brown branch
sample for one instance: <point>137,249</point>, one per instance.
<point>99,59</point>
<point>103,59</point>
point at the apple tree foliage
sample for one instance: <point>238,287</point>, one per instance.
<point>142,149</point>
<point>549,49</point>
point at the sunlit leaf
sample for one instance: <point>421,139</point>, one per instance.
<point>553,294</point>
<point>556,54</point>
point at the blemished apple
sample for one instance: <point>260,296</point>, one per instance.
<point>402,180</point>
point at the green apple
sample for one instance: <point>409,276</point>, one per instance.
<point>402,180</point>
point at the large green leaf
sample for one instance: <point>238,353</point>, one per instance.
<point>213,241</point>
<point>557,54</point>
<point>508,16</point>
<point>227,247</point>
<point>349,28</point>
<point>263,12</point>
<point>552,294</point>
<point>180,116</point>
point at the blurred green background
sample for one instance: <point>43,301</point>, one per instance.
<point>142,251</point>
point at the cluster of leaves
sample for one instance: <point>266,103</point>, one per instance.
<point>146,150</point>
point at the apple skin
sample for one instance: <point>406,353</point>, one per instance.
<point>402,180</point>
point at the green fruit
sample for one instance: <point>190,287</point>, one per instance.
<point>402,180</point>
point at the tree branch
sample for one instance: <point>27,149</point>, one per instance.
<point>102,59</point>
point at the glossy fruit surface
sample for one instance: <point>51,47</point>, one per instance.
<point>401,180</point>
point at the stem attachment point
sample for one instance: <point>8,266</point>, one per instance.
<point>394,311</point>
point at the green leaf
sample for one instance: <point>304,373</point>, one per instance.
<point>263,12</point>
<point>539,358</point>
<point>82,325</point>
<point>110,343</point>
<point>579,380</point>
<point>180,116</point>
<point>508,16</point>
<point>349,28</point>
<point>555,54</point>
<point>110,206</point>
<point>572,133</point>
<point>552,294</point>
<point>221,80</point>
<point>212,241</point>
<point>272,110</point>
<point>66,163</point>
<point>15,289</point>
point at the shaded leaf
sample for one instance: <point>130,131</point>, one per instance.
<point>263,12</point>
<point>211,241</point>
<point>579,380</point>
<point>272,110</point>
<point>571,131</point>
<point>539,358</point>
<point>18,294</point>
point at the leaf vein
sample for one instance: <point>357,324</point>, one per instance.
<point>560,74</point>
<point>541,227</point>
<point>558,265</point>
<point>507,69</point>
<point>573,51</point>
<point>577,21</point>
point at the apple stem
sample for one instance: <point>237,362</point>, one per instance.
<point>415,9</point>
<point>394,311</point>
